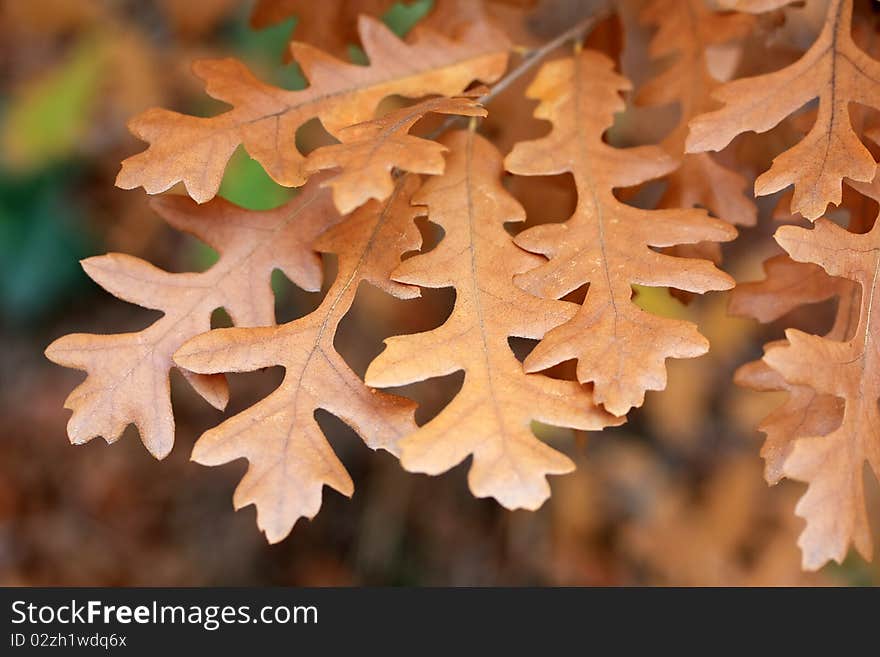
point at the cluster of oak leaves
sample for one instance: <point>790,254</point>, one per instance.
<point>359,199</point>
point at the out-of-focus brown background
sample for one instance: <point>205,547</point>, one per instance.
<point>674,497</point>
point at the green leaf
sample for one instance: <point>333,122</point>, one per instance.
<point>46,120</point>
<point>247,184</point>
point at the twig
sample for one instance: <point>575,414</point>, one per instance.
<point>532,59</point>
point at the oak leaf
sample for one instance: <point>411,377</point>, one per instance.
<point>620,348</point>
<point>834,504</point>
<point>128,373</point>
<point>370,151</point>
<point>787,285</point>
<point>290,460</point>
<point>803,413</point>
<point>265,119</point>
<point>490,417</point>
<point>686,29</point>
<point>835,71</point>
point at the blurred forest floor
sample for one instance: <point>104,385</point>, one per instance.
<point>675,497</point>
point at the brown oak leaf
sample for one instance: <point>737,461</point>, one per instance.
<point>787,285</point>
<point>370,151</point>
<point>803,413</point>
<point>128,373</point>
<point>490,418</point>
<point>834,504</point>
<point>835,71</point>
<point>620,348</point>
<point>290,460</point>
<point>686,29</point>
<point>265,119</point>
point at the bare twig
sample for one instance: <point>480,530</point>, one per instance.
<point>531,59</point>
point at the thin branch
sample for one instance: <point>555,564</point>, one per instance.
<point>531,59</point>
<point>534,57</point>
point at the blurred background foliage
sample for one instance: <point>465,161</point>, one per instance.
<point>674,497</point>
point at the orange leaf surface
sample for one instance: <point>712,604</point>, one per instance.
<point>786,286</point>
<point>289,458</point>
<point>835,71</point>
<point>620,348</point>
<point>128,373</point>
<point>370,151</point>
<point>804,413</point>
<point>834,504</point>
<point>686,29</point>
<point>265,119</point>
<point>490,418</point>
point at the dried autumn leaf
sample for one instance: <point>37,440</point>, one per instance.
<point>264,119</point>
<point>289,458</point>
<point>804,413</point>
<point>834,504</point>
<point>370,151</point>
<point>686,29</point>
<point>787,285</point>
<point>128,373</point>
<point>619,347</point>
<point>835,71</point>
<point>490,418</point>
